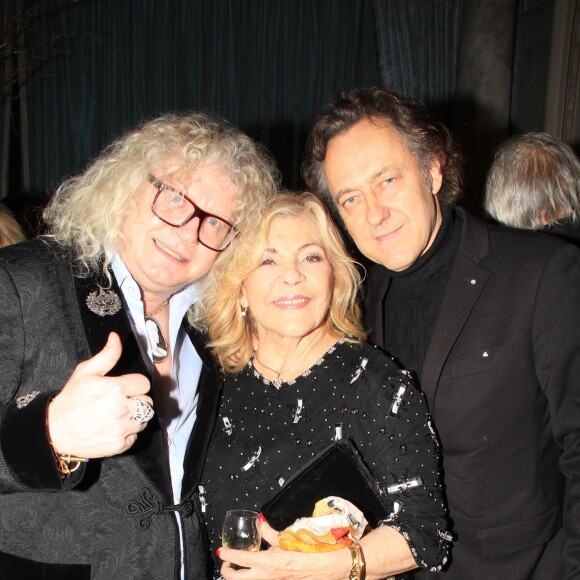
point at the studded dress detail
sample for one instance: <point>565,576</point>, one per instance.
<point>264,434</point>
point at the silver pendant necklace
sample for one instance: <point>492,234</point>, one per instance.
<point>277,381</point>
<point>156,337</point>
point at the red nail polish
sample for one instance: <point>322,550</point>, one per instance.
<point>261,516</point>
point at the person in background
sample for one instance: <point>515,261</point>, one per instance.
<point>284,323</point>
<point>10,230</point>
<point>486,316</point>
<point>534,184</point>
<point>93,482</point>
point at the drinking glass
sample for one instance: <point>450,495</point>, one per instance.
<point>242,531</point>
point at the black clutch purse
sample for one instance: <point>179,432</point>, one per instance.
<point>337,470</point>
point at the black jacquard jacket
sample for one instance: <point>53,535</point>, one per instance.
<point>114,517</point>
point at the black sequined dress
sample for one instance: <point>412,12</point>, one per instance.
<point>265,434</point>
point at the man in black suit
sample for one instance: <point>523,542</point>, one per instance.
<point>93,483</point>
<point>489,318</point>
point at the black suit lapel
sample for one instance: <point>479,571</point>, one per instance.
<point>149,450</point>
<point>97,328</point>
<point>463,290</point>
<point>209,389</point>
<point>465,285</point>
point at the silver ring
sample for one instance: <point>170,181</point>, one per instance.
<point>143,411</point>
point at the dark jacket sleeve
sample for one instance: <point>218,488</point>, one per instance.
<point>556,345</point>
<point>26,458</point>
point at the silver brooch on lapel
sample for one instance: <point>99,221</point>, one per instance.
<point>104,302</point>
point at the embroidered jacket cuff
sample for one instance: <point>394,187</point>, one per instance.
<point>26,449</point>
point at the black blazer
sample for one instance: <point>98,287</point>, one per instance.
<point>114,517</point>
<point>502,377</point>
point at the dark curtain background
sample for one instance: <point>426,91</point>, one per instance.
<point>5,110</point>
<point>417,42</point>
<point>267,66</point>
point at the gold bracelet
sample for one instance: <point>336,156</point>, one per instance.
<point>358,562</point>
<point>63,460</point>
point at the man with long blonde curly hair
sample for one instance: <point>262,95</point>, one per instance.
<point>107,395</point>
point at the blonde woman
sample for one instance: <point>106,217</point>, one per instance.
<point>283,318</point>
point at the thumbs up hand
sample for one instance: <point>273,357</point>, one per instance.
<point>93,415</point>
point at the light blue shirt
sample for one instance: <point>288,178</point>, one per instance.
<point>186,365</point>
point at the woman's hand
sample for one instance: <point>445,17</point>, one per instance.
<point>386,553</point>
<point>276,564</point>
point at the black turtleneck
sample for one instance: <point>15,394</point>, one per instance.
<point>414,295</point>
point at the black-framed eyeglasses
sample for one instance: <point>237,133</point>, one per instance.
<point>176,209</point>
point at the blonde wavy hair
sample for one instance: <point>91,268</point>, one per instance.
<point>219,311</point>
<point>87,211</point>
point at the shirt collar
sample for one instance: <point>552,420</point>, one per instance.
<point>180,300</point>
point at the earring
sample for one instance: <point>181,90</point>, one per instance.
<point>244,311</point>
